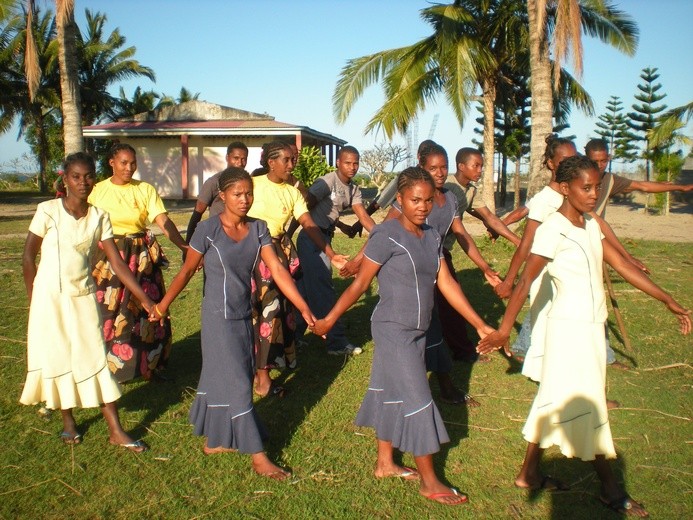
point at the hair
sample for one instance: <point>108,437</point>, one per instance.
<point>411,176</point>
<point>348,149</point>
<point>119,147</point>
<point>429,150</point>
<point>272,151</point>
<point>596,145</point>
<point>571,167</point>
<point>73,158</point>
<point>425,145</point>
<point>231,176</point>
<point>552,144</point>
<point>236,145</point>
<point>463,154</point>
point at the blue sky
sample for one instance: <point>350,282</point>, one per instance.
<point>284,57</point>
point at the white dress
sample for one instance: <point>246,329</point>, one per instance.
<point>570,407</point>
<point>66,353</point>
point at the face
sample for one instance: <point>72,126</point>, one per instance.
<point>238,158</point>
<point>347,166</point>
<point>238,198</point>
<point>124,166</point>
<point>562,152</point>
<point>79,180</point>
<point>294,155</point>
<point>416,202</point>
<point>280,167</point>
<point>583,191</point>
<point>471,170</point>
<point>437,166</point>
<point>601,157</point>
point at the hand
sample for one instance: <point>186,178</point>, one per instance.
<point>637,263</point>
<point>158,313</point>
<point>148,305</point>
<point>309,318</point>
<point>338,261</point>
<point>492,234</point>
<point>504,289</point>
<point>351,268</point>
<point>492,277</point>
<point>320,328</point>
<point>683,315</point>
<point>493,341</point>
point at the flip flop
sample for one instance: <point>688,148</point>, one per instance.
<point>624,505</point>
<point>70,439</point>
<point>138,446</point>
<point>406,474</point>
<point>463,499</point>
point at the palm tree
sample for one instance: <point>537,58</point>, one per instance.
<point>562,22</point>
<point>69,79</point>
<point>671,121</point>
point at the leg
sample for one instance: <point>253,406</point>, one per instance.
<point>266,468</point>
<point>385,465</point>
<point>530,476</point>
<point>451,394</point>
<point>433,488</point>
<point>613,495</point>
<point>69,435</point>
<point>116,434</point>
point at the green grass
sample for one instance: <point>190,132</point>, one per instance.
<point>313,434</point>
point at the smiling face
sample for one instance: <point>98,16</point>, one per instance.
<point>471,169</point>
<point>416,202</point>
<point>124,166</point>
<point>238,197</point>
<point>79,180</point>
<point>437,166</point>
<point>280,167</point>
<point>582,192</point>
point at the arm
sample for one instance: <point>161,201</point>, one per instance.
<point>352,267</point>
<point>492,221</point>
<point>171,231</point>
<point>195,218</point>
<point>611,238</point>
<point>31,248</point>
<point>124,274</point>
<point>187,270</point>
<point>314,233</point>
<point>505,288</point>
<point>657,187</point>
<point>535,264</point>
<point>469,247</point>
<point>352,293</point>
<point>515,215</point>
<point>364,217</point>
<point>639,280</point>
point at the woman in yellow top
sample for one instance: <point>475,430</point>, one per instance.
<point>136,347</point>
<point>276,202</point>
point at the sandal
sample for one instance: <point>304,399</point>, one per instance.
<point>461,498</point>
<point>624,506</point>
<point>138,446</point>
<point>70,439</point>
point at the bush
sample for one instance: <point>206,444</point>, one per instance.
<point>311,164</point>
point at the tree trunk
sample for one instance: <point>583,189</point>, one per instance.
<point>504,180</point>
<point>489,99</point>
<point>43,148</point>
<point>69,79</point>
<point>542,101</point>
<point>516,196</point>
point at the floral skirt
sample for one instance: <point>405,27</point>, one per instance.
<point>273,313</point>
<point>135,346</point>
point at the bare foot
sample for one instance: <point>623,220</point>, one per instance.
<point>620,366</point>
<point>393,470</point>
<point>219,449</point>
<point>546,482</point>
<point>470,401</point>
<point>611,404</point>
<point>266,468</point>
<point>625,506</point>
<point>444,495</point>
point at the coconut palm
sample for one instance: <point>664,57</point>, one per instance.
<point>668,124</point>
<point>69,81</point>
<point>561,23</point>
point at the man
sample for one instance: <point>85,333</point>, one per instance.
<point>327,197</point>
<point>236,155</point>
<point>598,151</point>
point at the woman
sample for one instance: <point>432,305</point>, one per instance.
<point>135,347</point>
<point>276,202</point>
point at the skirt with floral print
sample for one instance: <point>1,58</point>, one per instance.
<point>135,346</point>
<point>273,313</point>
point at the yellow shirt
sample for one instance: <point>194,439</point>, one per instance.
<point>131,206</point>
<point>276,204</point>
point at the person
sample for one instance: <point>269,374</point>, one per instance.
<point>611,184</point>
<point>405,254</point>
<point>230,244</point>
<point>570,410</point>
<point>236,155</point>
<point>275,202</point>
<point>66,354</point>
<point>135,347</point>
<point>327,197</point>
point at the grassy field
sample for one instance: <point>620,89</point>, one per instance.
<point>313,434</point>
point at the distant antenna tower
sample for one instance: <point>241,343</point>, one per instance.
<point>413,140</point>
<point>434,124</point>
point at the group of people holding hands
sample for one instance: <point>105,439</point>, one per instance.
<point>99,308</point>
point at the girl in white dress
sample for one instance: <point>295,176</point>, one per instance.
<point>570,407</point>
<point>66,365</point>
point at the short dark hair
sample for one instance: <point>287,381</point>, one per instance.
<point>463,154</point>
<point>79,158</point>
<point>231,176</point>
<point>424,145</point>
<point>596,145</point>
<point>571,167</point>
<point>236,145</point>
<point>119,147</point>
<point>428,151</point>
<point>411,176</point>
<point>348,149</point>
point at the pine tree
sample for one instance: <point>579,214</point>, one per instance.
<point>613,128</point>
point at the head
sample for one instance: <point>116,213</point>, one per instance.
<point>347,163</point>
<point>434,159</point>
<point>237,155</point>
<point>123,163</point>
<point>579,181</point>
<point>469,162</point>
<point>236,190</point>
<point>278,159</point>
<point>557,149</point>
<point>597,150</point>
<point>423,146</point>
<point>294,154</point>
<point>415,190</point>
<point>78,177</point>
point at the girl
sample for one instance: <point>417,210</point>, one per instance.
<point>65,345</point>
<point>570,407</point>
<point>405,255</point>
<point>231,245</point>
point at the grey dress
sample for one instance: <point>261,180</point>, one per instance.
<point>398,403</point>
<point>223,407</point>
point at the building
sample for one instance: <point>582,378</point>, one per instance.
<point>179,147</point>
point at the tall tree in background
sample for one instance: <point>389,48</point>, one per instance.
<point>69,80</point>
<point>612,126</point>
<point>669,123</point>
<point>558,25</point>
